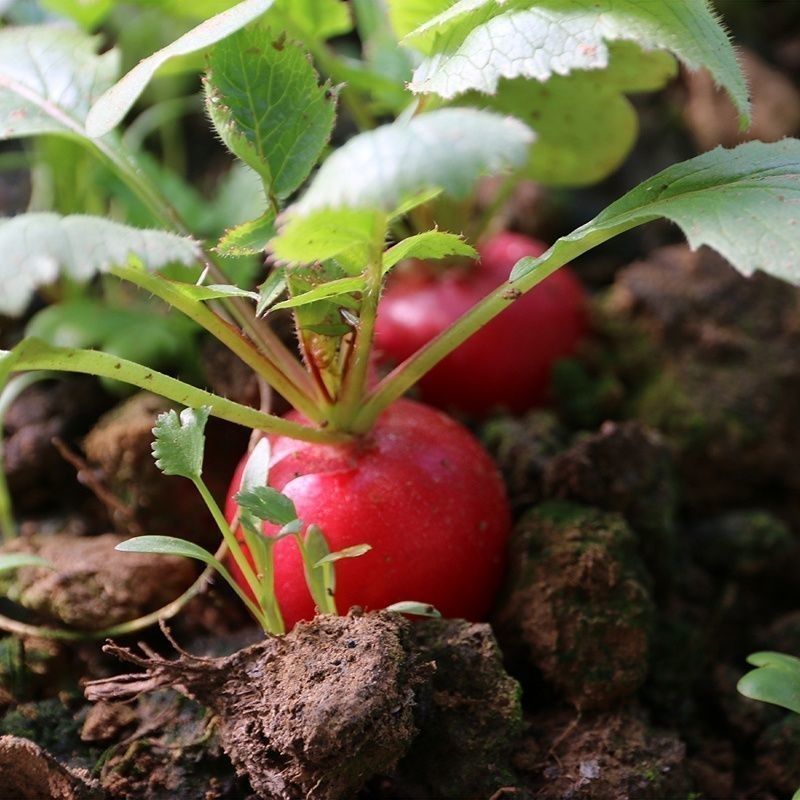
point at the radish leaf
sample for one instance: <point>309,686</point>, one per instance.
<point>179,442</point>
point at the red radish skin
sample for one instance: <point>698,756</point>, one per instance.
<point>420,490</point>
<point>505,365</point>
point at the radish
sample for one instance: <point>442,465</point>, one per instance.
<point>420,489</point>
<point>505,365</point>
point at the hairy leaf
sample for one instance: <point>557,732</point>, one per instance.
<point>326,291</point>
<point>12,561</point>
<point>428,245</point>
<point>344,233</point>
<point>39,247</point>
<point>744,202</point>
<point>448,149</point>
<point>180,440</point>
<point>475,43</point>
<point>112,106</point>
<point>267,504</point>
<point>249,238</point>
<point>214,291</point>
<point>272,288</point>
<point>264,99</point>
<point>49,77</point>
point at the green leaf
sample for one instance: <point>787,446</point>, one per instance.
<point>112,106</point>
<point>326,291</point>
<point>567,111</point>
<point>321,580</point>
<point>408,15</point>
<point>448,149</point>
<point>776,681</point>
<point>344,234</point>
<point>267,504</point>
<point>744,202</point>
<point>213,291</point>
<point>263,96</point>
<point>475,43</point>
<point>168,546</point>
<point>412,607</point>
<point>87,13</point>
<point>429,245</point>
<point>39,247</point>
<point>12,561</point>
<point>180,440</point>
<point>348,552</point>
<point>272,288</point>
<point>314,20</point>
<point>49,77</point>
<point>249,238</point>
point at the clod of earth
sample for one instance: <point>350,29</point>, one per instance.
<point>611,756</point>
<point>92,586</point>
<point>119,446</point>
<point>724,384</point>
<point>340,700</point>
<point>28,773</point>
<point>577,603</point>
<point>34,468</point>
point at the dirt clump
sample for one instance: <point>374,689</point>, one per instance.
<point>119,449</point>
<point>609,756</point>
<point>315,713</point>
<point>724,381</point>
<point>577,603</point>
<point>93,586</point>
<point>27,772</point>
<point>34,468</point>
<point>470,720</point>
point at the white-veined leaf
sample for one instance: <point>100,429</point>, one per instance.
<point>39,247</point>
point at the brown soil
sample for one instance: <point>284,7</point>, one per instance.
<point>91,585</point>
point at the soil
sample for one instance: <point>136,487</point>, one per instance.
<point>656,544</point>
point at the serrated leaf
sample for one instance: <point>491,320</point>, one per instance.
<point>265,101</point>
<point>566,112</point>
<point>39,247</point>
<point>744,202</point>
<point>347,552</point>
<point>272,288</point>
<point>448,149</point>
<point>49,77</point>
<point>414,608</point>
<point>267,504</point>
<point>344,234</point>
<point>475,43</point>
<point>327,291</point>
<point>112,106</point>
<point>772,683</point>
<point>180,441</point>
<point>249,238</point>
<point>429,245</point>
<point>12,561</point>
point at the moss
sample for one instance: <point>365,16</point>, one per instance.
<point>579,603</point>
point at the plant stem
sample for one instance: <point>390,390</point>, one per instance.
<point>32,354</point>
<point>238,555</point>
<point>397,382</point>
<point>196,310</point>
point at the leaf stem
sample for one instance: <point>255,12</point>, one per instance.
<point>33,354</point>
<point>197,311</point>
<point>403,377</point>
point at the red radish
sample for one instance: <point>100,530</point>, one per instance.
<point>419,489</point>
<point>506,364</point>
